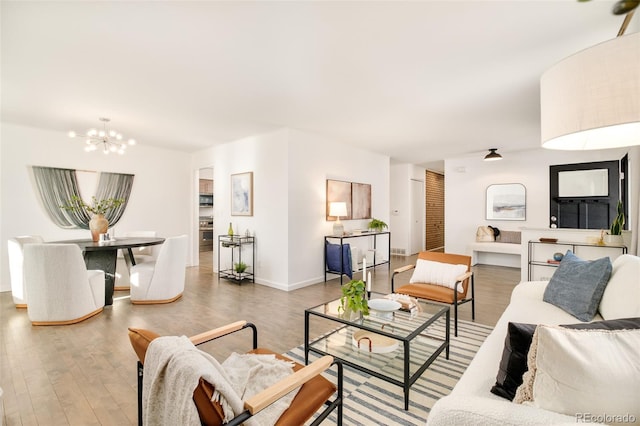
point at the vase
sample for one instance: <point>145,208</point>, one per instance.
<point>98,225</point>
<point>613,240</point>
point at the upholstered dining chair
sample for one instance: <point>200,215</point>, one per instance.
<point>441,278</point>
<point>162,280</point>
<point>59,288</point>
<point>141,255</point>
<point>16,261</point>
<point>315,390</point>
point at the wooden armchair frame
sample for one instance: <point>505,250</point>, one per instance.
<point>452,296</point>
<point>268,396</point>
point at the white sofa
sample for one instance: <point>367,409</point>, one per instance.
<point>472,403</point>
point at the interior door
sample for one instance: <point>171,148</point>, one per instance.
<point>416,238</point>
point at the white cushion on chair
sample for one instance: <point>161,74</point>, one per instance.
<point>438,273</point>
<point>140,254</point>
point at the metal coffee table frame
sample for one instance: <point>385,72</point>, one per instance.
<point>421,324</point>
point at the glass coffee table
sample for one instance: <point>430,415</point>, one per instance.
<point>396,346</point>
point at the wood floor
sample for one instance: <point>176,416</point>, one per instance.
<point>85,374</point>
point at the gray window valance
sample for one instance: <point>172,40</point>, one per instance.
<point>57,186</point>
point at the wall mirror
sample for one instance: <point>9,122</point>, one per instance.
<point>506,201</point>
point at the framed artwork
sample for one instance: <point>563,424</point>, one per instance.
<point>506,202</point>
<point>361,200</point>
<point>242,194</point>
<point>338,190</point>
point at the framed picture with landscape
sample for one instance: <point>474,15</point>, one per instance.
<point>506,201</point>
<point>242,194</point>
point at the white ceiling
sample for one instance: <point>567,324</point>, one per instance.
<point>418,81</point>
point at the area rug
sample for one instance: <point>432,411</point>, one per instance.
<point>369,400</point>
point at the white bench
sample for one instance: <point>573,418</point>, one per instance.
<point>495,253</point>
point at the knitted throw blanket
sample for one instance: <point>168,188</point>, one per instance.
<point>173,367</point>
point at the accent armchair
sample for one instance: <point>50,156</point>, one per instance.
<point>315,390</point>
<point>59,288</point>
<point>440,277</point>
<point>161,281</point>
<point>16,261</point>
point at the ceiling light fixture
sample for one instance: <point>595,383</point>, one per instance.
<point>109,140</point>
<point>591,100</point>
<point>492,155</point>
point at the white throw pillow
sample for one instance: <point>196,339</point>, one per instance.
<point>585,372</point>
<point>622,293</point>
<point>438,273</point>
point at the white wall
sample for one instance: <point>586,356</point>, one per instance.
<point>312,160</point>
<point>161,197</point>
<point>290,171</point>
<point>467,179</point>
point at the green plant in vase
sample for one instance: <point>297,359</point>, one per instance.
<point>97,209</point>
<point>377,225</point>
<point>354,298</point>
<point>618,223</point>
<point>240,267</point>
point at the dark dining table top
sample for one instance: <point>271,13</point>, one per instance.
<point>114,244</point>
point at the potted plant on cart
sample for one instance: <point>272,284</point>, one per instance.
<point>240,267</point>
<point>353,302</point>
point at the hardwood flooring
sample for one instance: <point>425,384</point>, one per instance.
<point>85,374</point>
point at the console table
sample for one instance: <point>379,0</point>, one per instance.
<point>372,234</point>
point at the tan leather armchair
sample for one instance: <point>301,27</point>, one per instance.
<point>438,293</point>
<point>315,390</point>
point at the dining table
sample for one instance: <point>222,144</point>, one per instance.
<point>103,255</point>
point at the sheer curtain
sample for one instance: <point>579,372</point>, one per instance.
<point>57,186</point>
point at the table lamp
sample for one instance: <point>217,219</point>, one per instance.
<point>338,209</point>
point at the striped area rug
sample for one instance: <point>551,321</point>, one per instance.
<point>369,400</point>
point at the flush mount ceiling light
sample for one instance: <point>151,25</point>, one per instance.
<point>492,155</point>
<point>591,100</point>
<point>108,140</point>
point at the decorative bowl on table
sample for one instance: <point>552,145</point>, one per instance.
<point>384,305</point>
<point>368,341</point>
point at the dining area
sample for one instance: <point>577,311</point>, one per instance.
<point>68,281</point>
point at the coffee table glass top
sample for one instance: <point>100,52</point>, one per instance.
<point>400,323</point>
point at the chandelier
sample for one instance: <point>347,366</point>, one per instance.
<point>108,140</point>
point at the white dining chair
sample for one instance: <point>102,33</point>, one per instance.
<point>140,254</point>
<point>60,290</point>
<point>16,260</point>
<point>162,280</point>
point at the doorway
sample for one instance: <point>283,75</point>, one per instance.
<point>434,206</point>
<point>206,202</point>
<point>416,239</point>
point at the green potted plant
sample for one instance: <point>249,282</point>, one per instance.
<point>240,267</point>
<point>615,232</point>
<point>98,208</point>
<point>377,225</point>
<point>354,299</point>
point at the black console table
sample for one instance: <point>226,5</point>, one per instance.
<point>362,234</point>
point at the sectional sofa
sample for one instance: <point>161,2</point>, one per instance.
<point>471,402</point>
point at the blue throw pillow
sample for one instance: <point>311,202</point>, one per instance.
<point>333,258</point>
<point>577,285</point>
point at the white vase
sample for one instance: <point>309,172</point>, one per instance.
<point>613,240</point>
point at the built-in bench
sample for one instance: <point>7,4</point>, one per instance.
<point>505,251</point>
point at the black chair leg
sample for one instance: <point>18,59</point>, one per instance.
<point>473,300</point>
<point>140,373</point>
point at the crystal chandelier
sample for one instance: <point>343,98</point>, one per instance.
<point>108,140</point>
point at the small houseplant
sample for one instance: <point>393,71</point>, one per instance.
<point>354,299</point>
<point>377,225</point>
<point>98,208</point>
<point>240,267</point>
<point>615,232</point>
